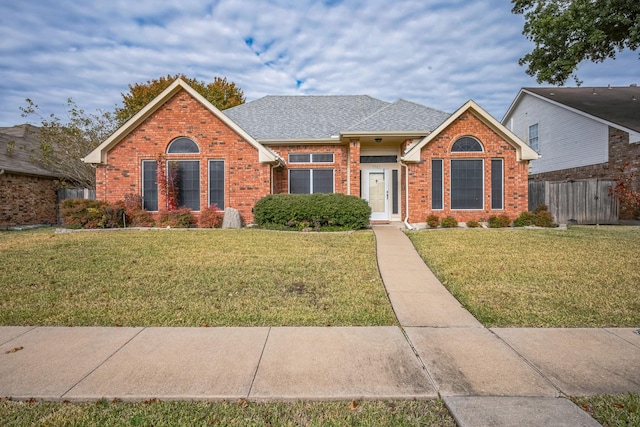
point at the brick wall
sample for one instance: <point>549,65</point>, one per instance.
<point>621,153</point>
<point>246,179</point>
<point>515,173</point>
<point>27,200</point>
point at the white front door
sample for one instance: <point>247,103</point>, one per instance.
<point>377,193</point>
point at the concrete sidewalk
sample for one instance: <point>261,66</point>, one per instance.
<point>498,377</point>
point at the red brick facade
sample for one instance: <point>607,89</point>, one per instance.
<point>622,156</point>
<point>515,173</point>
<point>27,200</point>
<point>246,179</point>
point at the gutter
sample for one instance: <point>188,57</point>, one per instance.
<point>406,196</point>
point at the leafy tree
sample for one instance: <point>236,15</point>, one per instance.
<point>221,93</point>
<point>566,32</point>
<point>63,145</point>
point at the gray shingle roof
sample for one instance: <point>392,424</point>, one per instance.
<point>402,116</point>
<point>614,104</point>
<point>320,117</point>
<point>18,146</point>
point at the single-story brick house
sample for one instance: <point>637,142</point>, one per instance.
<point>407,160</point>
<point>27,188</point>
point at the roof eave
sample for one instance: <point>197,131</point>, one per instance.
<point>408,134</point>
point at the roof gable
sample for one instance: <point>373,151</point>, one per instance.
<point>99,154</point>
<point>523,151</point>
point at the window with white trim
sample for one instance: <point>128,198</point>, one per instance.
<point>467,184</point>
<point>497,184</point>
<point>437,188</point>
<point>216,183</point>
<point>150,185</point>
<point>533,137</point>
<point>311,158</point>
<point>308,181</point>
<point>184,176</point>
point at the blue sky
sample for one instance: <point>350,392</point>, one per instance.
<point>439,53</point>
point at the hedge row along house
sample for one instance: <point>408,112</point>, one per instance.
<point>405,159</point>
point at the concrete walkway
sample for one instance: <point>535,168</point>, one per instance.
<point>497,377</point>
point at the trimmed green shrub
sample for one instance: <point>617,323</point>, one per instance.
<point>500,221</point>
<point>473,224</point>
<point>543,219</point>
<point>541,208</point>
<point>178,218</point>
<point>82,213</point>
<point>449,222</point>
<point>140,218</point>
<point>211,217</point>
<point>299,211</point>
<point>86,213</point>
<point>433,221</point>
<point>526,218</point>
<point>113,215</point>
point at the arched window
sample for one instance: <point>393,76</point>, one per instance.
<point>182,145</point>
<point>466,144</point>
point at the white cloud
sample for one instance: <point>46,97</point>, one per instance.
<point>438,53</point>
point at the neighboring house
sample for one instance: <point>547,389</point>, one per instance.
<point>407,160</point>
<point>580,133</point>
<point>27,189</point>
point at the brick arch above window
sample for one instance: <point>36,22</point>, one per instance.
<point>467,144</point>
<point>183,145</point>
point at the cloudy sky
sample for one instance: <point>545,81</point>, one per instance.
<point>439,53</point>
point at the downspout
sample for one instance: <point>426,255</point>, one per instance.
<point>406,196</point>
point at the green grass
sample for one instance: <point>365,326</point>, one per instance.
<point>582,277</point>
<point>378,413</point>
<point>612,411</point>
<point>191,278</point>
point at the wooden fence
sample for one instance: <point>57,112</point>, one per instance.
<point>585,201</point>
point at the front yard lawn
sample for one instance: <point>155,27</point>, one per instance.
<point>155,413</point>
<point>582,277</point>
<point>191,278</point>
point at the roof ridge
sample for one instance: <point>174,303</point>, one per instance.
<point>389,104</point>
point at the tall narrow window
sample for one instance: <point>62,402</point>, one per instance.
<point>216,183</point>
<point>395,200</point>
<point>533,136</point>
<point>497,184</point>
<point>467,184</point>
<point>187,183</point>
<point>150,185</point>
<point>436,184</point>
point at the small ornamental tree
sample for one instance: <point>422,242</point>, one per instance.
<point>168,181</point>
<point>627,190</point>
